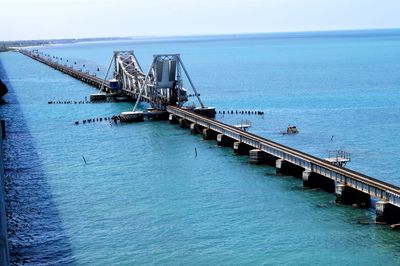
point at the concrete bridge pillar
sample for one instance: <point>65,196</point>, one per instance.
<point>182,123</point>
<point>305,176</point>
<point>257,156</point>
<point>224,140</point>
<point>209,134</point>
<point>278,166</point>
<point>386,212</point>
<point>172,119</point>
<point>314,180</point>
<point>349,195</point>
<point>284,167</point>
<point>339,188</point>
<point>241,148</point>
<point>195,128</point>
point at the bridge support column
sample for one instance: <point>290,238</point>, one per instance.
<point>278,166</point>
<point>241,148</point>
<point>172,119</point>
<point>183,123</point>
<point>224,140</point>
<point>257,156</point>
<point>209,134</point>
<point>386,212</point>
<point>286,168</point>
<point>339,188</point>
<point>305,176</point>
<point>195,128</point>
<point>314,180</point>
<point>349,195</point>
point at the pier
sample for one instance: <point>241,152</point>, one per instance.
<point>162,87</point>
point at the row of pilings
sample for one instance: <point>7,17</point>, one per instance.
<point>386,213</point>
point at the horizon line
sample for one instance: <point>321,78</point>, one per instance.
<point>205,34</point>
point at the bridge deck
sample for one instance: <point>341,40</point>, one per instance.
<point>82,76</point>
<point>358,181</point>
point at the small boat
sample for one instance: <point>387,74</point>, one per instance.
<point>290,130</point>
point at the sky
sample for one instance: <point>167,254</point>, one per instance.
<point>54,19</point>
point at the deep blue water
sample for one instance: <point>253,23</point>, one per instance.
<point>143,198</point>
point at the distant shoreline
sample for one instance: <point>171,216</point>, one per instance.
<point>10,45</point>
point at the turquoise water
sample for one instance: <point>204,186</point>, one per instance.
<point>143,197</point>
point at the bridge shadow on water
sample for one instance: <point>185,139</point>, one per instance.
<point>35,230</point>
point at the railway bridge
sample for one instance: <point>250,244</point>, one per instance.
<point>162,87</point>
<point>350,187</point>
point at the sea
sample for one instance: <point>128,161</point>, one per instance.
<point>138,194</point>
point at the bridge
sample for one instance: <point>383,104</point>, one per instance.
<point>162,87</point>
<point>69,70</point>
<point>349,186</point>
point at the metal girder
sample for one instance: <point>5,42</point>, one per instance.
<point>163,83</point>
<point>161,86</point>
<point>128,71</point>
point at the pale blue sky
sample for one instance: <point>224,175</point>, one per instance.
<point>39,19</point>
